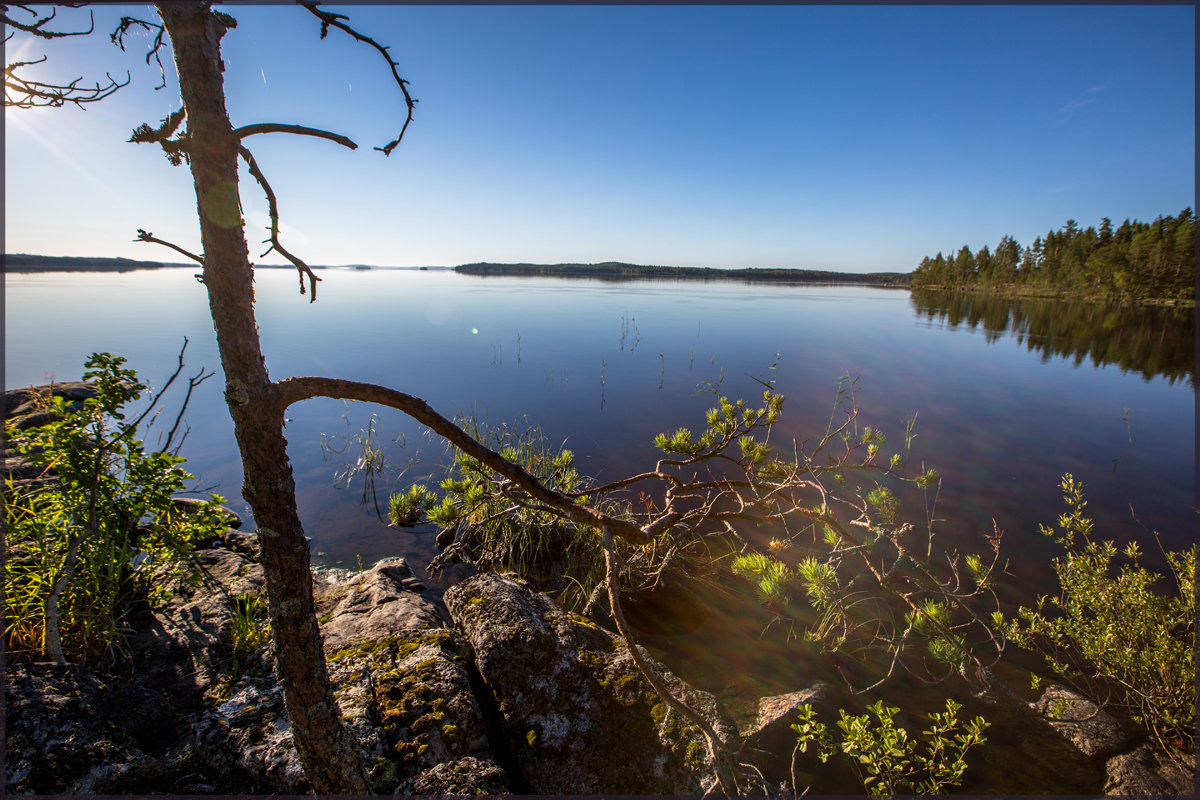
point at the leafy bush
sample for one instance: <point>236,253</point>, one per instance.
<point>84,540</point>
<point>888,760</point>
<point>1111,631</point>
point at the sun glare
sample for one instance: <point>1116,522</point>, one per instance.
<point>23,52</point>
<point>36,126</point>
<point>25,117</point>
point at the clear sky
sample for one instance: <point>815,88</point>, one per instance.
<point>823,137</point>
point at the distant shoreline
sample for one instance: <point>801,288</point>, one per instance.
<point>24,262</point>
<point>617,271</point>
<point>610,270</point>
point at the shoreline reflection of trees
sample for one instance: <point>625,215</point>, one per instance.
<point>1154,341</point>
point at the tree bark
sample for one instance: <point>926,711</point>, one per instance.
<point>331,757</point>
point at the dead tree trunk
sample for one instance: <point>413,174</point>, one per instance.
<point>331,758</point>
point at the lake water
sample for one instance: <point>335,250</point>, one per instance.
<point>1008,396</point>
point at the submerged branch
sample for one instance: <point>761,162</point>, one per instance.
<point>194,381</point>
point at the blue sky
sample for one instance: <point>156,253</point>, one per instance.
<point>825,137</point>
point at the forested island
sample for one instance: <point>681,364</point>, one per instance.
<point>1134,262</point>
<point>618,271</point>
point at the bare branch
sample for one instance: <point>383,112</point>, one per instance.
<point>293,390</point>
<point>276,127</point>
<point>144,236</point>
<point>194,381</point>
<point>328,18</point>
<point>22,93</point>
<point>36,28</point>
<point>118,38</point>
<point>273,210</point>
<point>129,428</point>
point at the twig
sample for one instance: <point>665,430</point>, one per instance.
<point>327,19</point>
<point>144,133</point>
<point>144,236</point>
<point>593,597</point>
<point>177,148</point>
<point>128,429</point>
<point>118,38</point>
<point>194,381</point>
<point>21,93</point>
<point>35,27</point>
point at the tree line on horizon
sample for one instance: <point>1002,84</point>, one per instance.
<point>25,262</point>
<point>1135,261</point>
<point>616,270</point>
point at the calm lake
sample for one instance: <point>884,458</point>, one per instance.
<point>1008,395</point>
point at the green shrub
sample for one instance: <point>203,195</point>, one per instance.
<point>501,529</point>
<point>774,582</point>
<point>887,759</point>
<point>84,540</point>
<point>406,510</point>
<point>1114,630</point>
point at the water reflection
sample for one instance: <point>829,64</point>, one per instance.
<point>1155,341</point>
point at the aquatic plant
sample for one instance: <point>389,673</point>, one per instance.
<point>369,460</point>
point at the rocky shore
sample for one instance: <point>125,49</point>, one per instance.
<point>497,690</point>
